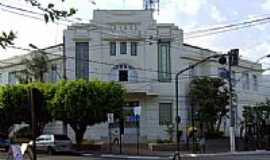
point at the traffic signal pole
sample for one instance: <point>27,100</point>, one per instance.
<point>177,119</point>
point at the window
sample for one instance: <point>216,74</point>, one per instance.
<point>245,83</point>
<point>123,75</point>
<point>12,78</point>
<point>123,47</point>
<point>133,48</point>
<point>165,113</point>
<point>61,137</point>
<point>164,62</point>
<point>255,83</point>
<point>82,60</point>
<point>113,48</point>
<point>53,73</point>
<point>123,72</point>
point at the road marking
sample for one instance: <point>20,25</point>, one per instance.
<point>87,154</point>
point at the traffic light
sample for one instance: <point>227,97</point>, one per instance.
<point>234,57</point>
<point>222,60</point>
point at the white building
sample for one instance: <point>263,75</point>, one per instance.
<point>131,47</point>
<point>12,67</point>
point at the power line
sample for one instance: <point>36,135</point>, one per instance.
<point>20,9</point>
<point>226,30</point>
<point>112,64</point>
<point>100,62</point>
<point>203,32</point>
<point>151,80</point>
<point>229,26</point>
<point>29,16</point>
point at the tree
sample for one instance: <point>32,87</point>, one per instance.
<point>36,66</point>
<point>15,105</point>
<point>255,118</point>
<point>6,39</point>
<point>81,103</point>
<point>209,97</point>
<point>50,14</point>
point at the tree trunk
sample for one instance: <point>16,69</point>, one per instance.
<point>41,76</point>
<point>218,123</point>
<point>79,130</point>
<point>79,137</point>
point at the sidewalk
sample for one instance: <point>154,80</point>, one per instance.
<point>185,156</point>
<point>251,155</point>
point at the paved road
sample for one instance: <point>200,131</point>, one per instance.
<point>230,156</point>
<point>257,157</point>
<point>89,157</point>
<point>57,157</point>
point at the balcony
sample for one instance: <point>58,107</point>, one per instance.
<point>144,89</point>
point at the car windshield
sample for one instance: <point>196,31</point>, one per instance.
<point>61,137</point>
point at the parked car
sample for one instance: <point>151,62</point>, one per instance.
<point>52,143</point>
<point>4,143</point>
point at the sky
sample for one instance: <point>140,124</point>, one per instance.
<point>190,15</point>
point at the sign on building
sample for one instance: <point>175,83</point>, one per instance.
<point>110,117</point>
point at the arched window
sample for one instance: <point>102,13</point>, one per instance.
<point>123,72</point>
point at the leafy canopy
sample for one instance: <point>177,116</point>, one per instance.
<point>82,103</point>
<point>209,97</point>
<point>15,105</point>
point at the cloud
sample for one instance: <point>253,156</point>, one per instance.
<point>216,14</point>
<point>255,51</point>
<point>29,31</point>
<point>235,13</point>
<point>258,51</point>
<point>266,5</point>
<point>189,7</point>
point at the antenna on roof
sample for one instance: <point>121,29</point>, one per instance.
<point>152,5</point>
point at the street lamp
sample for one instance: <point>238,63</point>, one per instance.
<point>265,56</point>
<point>177,117</point>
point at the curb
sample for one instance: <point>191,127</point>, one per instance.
<point>110,156</point>
<point>243,153</point>
<point>225,154</point>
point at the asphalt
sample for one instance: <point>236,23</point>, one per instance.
<point>253,155</point>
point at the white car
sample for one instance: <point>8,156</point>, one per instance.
<point>51,143</point>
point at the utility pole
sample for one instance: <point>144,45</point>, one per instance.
<point>33,119</point>
<point>233,61</point>
<point>65,125</point>
<point>232,133</point>
<point>64,60</point>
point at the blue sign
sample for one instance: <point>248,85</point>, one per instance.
<point>223,73</point>
<point>133,118</point>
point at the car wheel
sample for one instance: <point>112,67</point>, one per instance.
<point>50,151</point>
